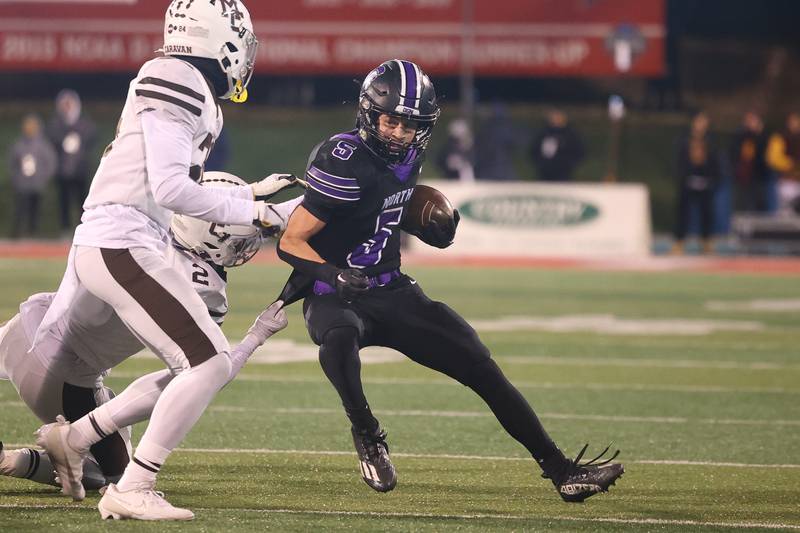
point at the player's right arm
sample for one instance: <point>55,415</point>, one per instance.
<point>332,191</point>
<point>176,109</point>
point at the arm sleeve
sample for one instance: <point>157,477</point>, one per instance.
<point>168,150</point>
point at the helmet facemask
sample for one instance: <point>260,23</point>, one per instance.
<point>238,64</point>
<point>391,150</point>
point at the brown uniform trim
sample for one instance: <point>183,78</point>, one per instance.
<point>165,310</point>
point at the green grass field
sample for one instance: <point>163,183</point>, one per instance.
<point>699,391</point>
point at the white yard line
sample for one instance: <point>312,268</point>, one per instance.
<point>519,384</point>
<point>643,363</point>
<point>775,305</point>
<point>487,414</point>
<point>465,516</point>
<point>557,416</point>
<point>438,456</point>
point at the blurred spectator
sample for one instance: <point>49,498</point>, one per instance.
<point>749,165</point>
<point>783,158</point>
<point>557,149</point>
<point>455,158</point>
<point>32,163</point>
<point>698,174</point>
<point>72,135</point>
<point>495,145</point>
<point>220,154</point>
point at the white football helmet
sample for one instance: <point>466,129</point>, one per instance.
<point>225,245</point>
<point>216,29</point>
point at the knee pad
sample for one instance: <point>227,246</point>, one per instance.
<point>218,365</point>
<point>340,340</point>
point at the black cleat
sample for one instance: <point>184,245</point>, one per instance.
<point>579,481</point>
<point>377,469</point>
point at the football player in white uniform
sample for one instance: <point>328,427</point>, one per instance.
<point>64,374</point>
<point>150,171</point>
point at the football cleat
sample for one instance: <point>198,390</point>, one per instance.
<point>579,480</point>
<point>377,469</point>
<point>139,504</point>
<point>67,461</point>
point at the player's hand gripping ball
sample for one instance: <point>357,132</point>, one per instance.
<point>431,217</point>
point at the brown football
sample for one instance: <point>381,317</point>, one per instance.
<point>426,204</point>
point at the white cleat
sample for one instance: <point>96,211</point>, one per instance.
<point>67,461</point>
<point>139,504</point>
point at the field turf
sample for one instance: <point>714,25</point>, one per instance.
<point>695,377</point>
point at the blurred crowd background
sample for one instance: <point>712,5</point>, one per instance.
<point>697,99</point>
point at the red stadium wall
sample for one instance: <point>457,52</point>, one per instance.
<point>510,37</point>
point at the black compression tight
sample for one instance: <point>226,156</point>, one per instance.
<point>511,408</point>
<point>339,358</point>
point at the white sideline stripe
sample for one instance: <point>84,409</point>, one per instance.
<point>777,305</point>
<point>643,363</point>
<point>518,384</point>
<point>470,516</point>
<point>558,416</point>
<point>335,453</point>
<point>610,324</point>
<point>481,414</point>
<point>282,351</point>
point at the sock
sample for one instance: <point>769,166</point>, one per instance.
<point>178,408</point>
<point>362,419</point>
<point>28,463</point>
<point>141,472</point>
<point>90,429</point>
<point>134,404</point>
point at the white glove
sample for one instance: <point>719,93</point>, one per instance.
<point>271,185</point>
<point>268,323</point>
<point>269,219</point>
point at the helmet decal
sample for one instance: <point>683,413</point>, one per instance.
<point>410,88</point>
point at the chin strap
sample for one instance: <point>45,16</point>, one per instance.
<point>239,93</point>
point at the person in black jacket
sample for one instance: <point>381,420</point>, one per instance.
<point>557,149</point>
<point>748,162</point>
<point>698,175</point>
<point>73,136</point>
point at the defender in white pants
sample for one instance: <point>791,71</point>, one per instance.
<point>150,171</point>
<point>64,374</point>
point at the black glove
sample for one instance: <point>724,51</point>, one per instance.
<point>351,283</point>
<point>438,236</point>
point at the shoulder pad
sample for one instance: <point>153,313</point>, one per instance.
<point>332,171</point>
<point>173,86</point>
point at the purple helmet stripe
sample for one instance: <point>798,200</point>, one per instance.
<point>332,180</point>
<point>410,98</point>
